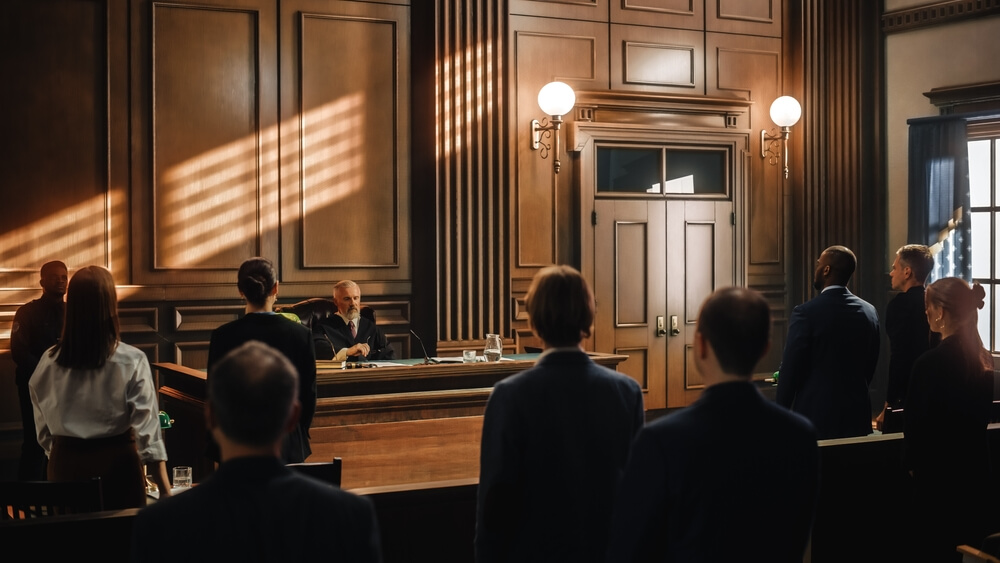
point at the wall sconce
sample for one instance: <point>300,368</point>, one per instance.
<point>785,112</point>
<point>555,99</point>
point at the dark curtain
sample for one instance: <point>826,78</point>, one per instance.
<point>939,194</point>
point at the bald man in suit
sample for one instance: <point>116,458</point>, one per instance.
<point>831,352</point>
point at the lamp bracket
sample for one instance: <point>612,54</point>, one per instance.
<point>544,129</point>
<point>774,146</point>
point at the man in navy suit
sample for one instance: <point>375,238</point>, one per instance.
<point>831,352</point>
<point>555,438</point>
<point>348,335</point>
<point>733,477</point>
<point>254,508</point>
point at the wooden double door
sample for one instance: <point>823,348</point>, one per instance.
<point>655,262</point>
<point>661,229</point>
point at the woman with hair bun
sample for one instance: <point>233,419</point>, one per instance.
<point>945,425</point>
<point>258,285</point>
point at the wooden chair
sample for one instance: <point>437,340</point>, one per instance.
<point>328,471</point>
<point>21,500</point>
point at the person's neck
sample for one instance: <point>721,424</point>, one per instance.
<point>48,296</point>
<point>231,450</point>
<point>910,285</point>
<point>267,307</point>
<point>722,377</point>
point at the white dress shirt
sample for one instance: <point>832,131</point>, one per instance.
<point>98,403</point>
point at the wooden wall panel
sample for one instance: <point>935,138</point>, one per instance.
<point>63,73</point>
<point>750,17</point>
<point>543,51</point>
<point>345,142</point>
<point>592,10</point>
<point>471,195</point>
<point>750,68</point>
<point>683,14</point>
<point>657,60</point>
<point>212,173</point>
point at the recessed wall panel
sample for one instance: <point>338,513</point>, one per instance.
<point>349,188</point>
<point>55,164</point>
<point>699,267</point>
<point>206,137</point>
<point>631,291</point>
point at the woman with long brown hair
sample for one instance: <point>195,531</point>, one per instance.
<point>94,399</point>
<point>945,424</point>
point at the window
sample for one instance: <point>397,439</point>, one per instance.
<point>695,171</point>
<point>984,194</point>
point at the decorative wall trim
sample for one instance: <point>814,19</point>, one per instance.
<point>938,13</point>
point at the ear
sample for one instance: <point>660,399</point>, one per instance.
<point>700,345</point>
<point>274,290</point>
<point>293,417</point>
<point>210,423</point>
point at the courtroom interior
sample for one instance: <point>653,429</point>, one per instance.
<point>394,143</point>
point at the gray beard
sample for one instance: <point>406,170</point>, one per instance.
<point>353,315</point>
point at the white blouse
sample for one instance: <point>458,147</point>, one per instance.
<point>99,403</point>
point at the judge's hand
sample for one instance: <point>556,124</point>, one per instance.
<point>359,349</point>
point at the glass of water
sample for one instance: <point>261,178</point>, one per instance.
<point>494,347</point>
<point>182,477</point>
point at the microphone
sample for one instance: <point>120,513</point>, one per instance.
<point>427,359</point>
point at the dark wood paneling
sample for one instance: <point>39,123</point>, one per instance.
<point>63,68</point>
<point>683,14</point>
<point>543,51</point>
<point>345,142</point>
<point>658,60</point>
<point>751,17</point>
<point>205,195</point>
<point>473,172</point>
<point>750,68</point>
<point>592,10</point>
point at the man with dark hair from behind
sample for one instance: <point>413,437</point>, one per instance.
<point>253,508</point>
<point>906,324</point>
<point>37,326</point>
<point>701,481</point>
<point>555,438</point>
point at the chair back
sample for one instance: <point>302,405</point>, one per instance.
<point>310,310</point>
<point>328,471</point>
<point>21,500</point>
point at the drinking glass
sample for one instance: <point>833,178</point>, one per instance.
<point>182,477</point>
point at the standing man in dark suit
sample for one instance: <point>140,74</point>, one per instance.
<point>253,508</point>
<point>37,327</point>
<point>555,438</point>
<point>699,479</point>
<point>906,322</point>
<point>831,352</point>
<point>348,335</point>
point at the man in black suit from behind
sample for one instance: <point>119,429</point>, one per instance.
<point>733,477</point>
<point>254,508</point>
<point>831,352</point>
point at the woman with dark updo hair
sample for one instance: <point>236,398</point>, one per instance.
<point>945,425</point>
<point>258,285</point>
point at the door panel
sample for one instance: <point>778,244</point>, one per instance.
<point>699,260</point>
<point>629,288</point>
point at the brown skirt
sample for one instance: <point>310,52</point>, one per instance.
<point>113,459</point>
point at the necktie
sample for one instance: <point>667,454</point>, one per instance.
<point>354,330</point>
